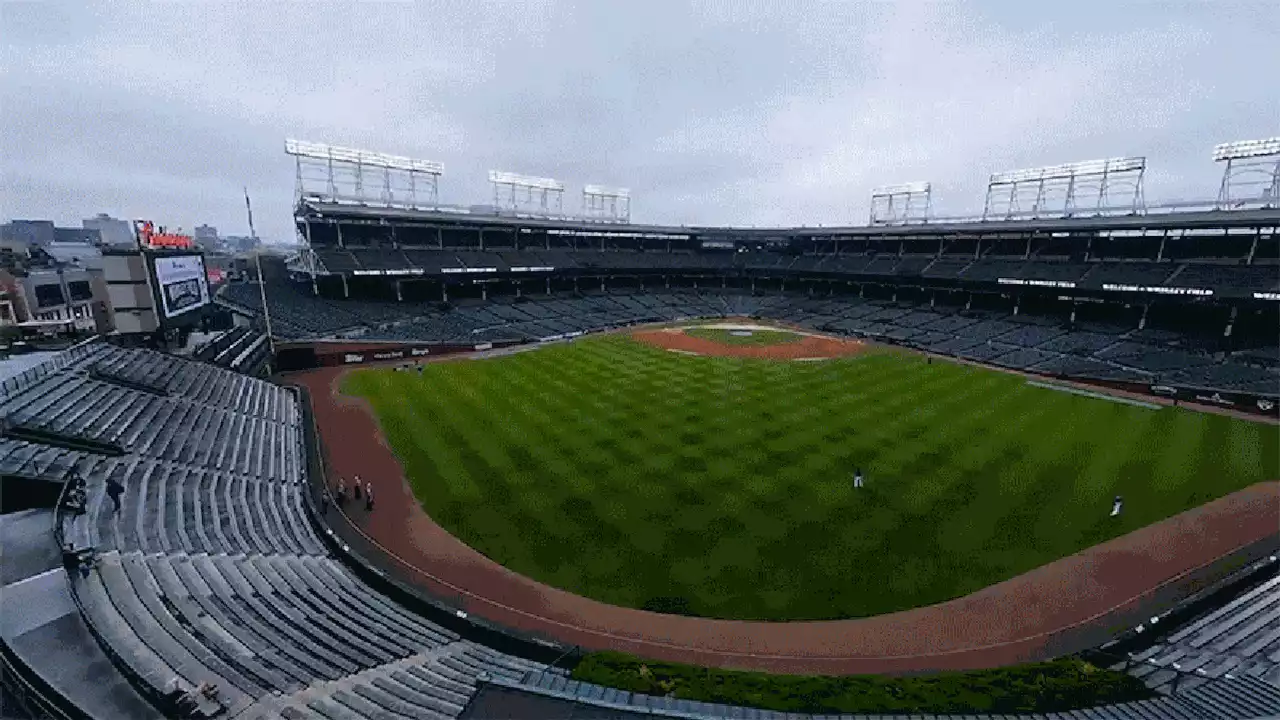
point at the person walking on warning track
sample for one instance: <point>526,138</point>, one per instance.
<point>1117,506</point>
<point>357,490</point>
<point>857,478</point>
<point>114,491</point>
<point>368,496</point>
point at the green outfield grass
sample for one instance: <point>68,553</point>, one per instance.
<point>757,337</point>
<point>722,487</point>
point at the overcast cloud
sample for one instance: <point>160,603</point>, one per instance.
<point>731,112</point>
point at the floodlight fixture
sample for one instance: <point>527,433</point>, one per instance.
<point>526,181</point>
<point>903,189</point>
<point>344,174</point>
<point>606,191</point>
<point>609,204</point>
<point>526,193</point>
<point>1042,187</point>
<point>1246,149</point>
<point>321,151</point>
<point>901,204</point>
<point>1069,170</point>
<point>1251,173</point>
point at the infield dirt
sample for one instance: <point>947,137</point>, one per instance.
<point>807,347</point>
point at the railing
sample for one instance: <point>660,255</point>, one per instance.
<point>140,684</point>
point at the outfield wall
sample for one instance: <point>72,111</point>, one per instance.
<point>316,354</point>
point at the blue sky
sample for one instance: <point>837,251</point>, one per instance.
<point>739,112</point>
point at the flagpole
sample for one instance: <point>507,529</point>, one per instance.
<point>262,283</point>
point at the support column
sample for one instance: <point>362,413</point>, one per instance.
<point>346,292</point>
<point>575,284</point>
<point>444,293</point>
<point>484,293</point>
<point>341,244</point>
<point>399,291</point>
<point>439,238</point>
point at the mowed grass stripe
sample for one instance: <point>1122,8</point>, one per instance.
<point>627,473</point>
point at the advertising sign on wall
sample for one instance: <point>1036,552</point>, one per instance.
<point>182,283</point>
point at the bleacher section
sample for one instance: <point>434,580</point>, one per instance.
<point>1027,342</point>
<point>1240,639</point>
<point>211,570</point>
<point>242,349</point>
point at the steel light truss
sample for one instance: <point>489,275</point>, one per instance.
<point>606,203</point>
<point>1057,190</point>
<point>901,204</point>
<point>1246,149</point>
<point>526,181</point>
<point>526,193</point>
<point>1251,173</point>
<point>342,174</point>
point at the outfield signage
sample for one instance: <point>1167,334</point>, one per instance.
<point>1266,296</point>
<point>1036,283</point>
<point>458,271</point>
<point>1235,401</point>
<point>533,269</point>
<point>1157,289</point>
<point>391,273</point>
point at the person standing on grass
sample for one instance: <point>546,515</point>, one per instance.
<point>857,478</point>
<point>1117,506</point>
<point>368,496</point>
<point>114,491</point>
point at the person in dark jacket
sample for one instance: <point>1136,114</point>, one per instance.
<point>368,496</point>
<point>357,490</point>
<point>342,492</point>
<point>114,491</point>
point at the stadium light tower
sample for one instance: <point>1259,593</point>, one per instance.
<point>341,174</point>
<point>1067,190</point>
<point>520,193</point>
<point>608,204</point>
<point>901,204</point>
<point>1251,175</point>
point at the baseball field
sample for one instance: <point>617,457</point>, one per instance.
<point>722,486</point>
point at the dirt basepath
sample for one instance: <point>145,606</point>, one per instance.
<point>805,347</point>
<point>1030,617</point>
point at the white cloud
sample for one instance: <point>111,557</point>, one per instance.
<point>734,112</point>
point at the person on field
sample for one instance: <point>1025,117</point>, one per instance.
<point>368,496</point>
<point>114,491</point>
<point>356,492</point>
<point>342,492</point>
<point>857,478</point>
<point>1117,506</point>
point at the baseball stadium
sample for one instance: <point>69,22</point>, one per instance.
<point>513,461</point>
